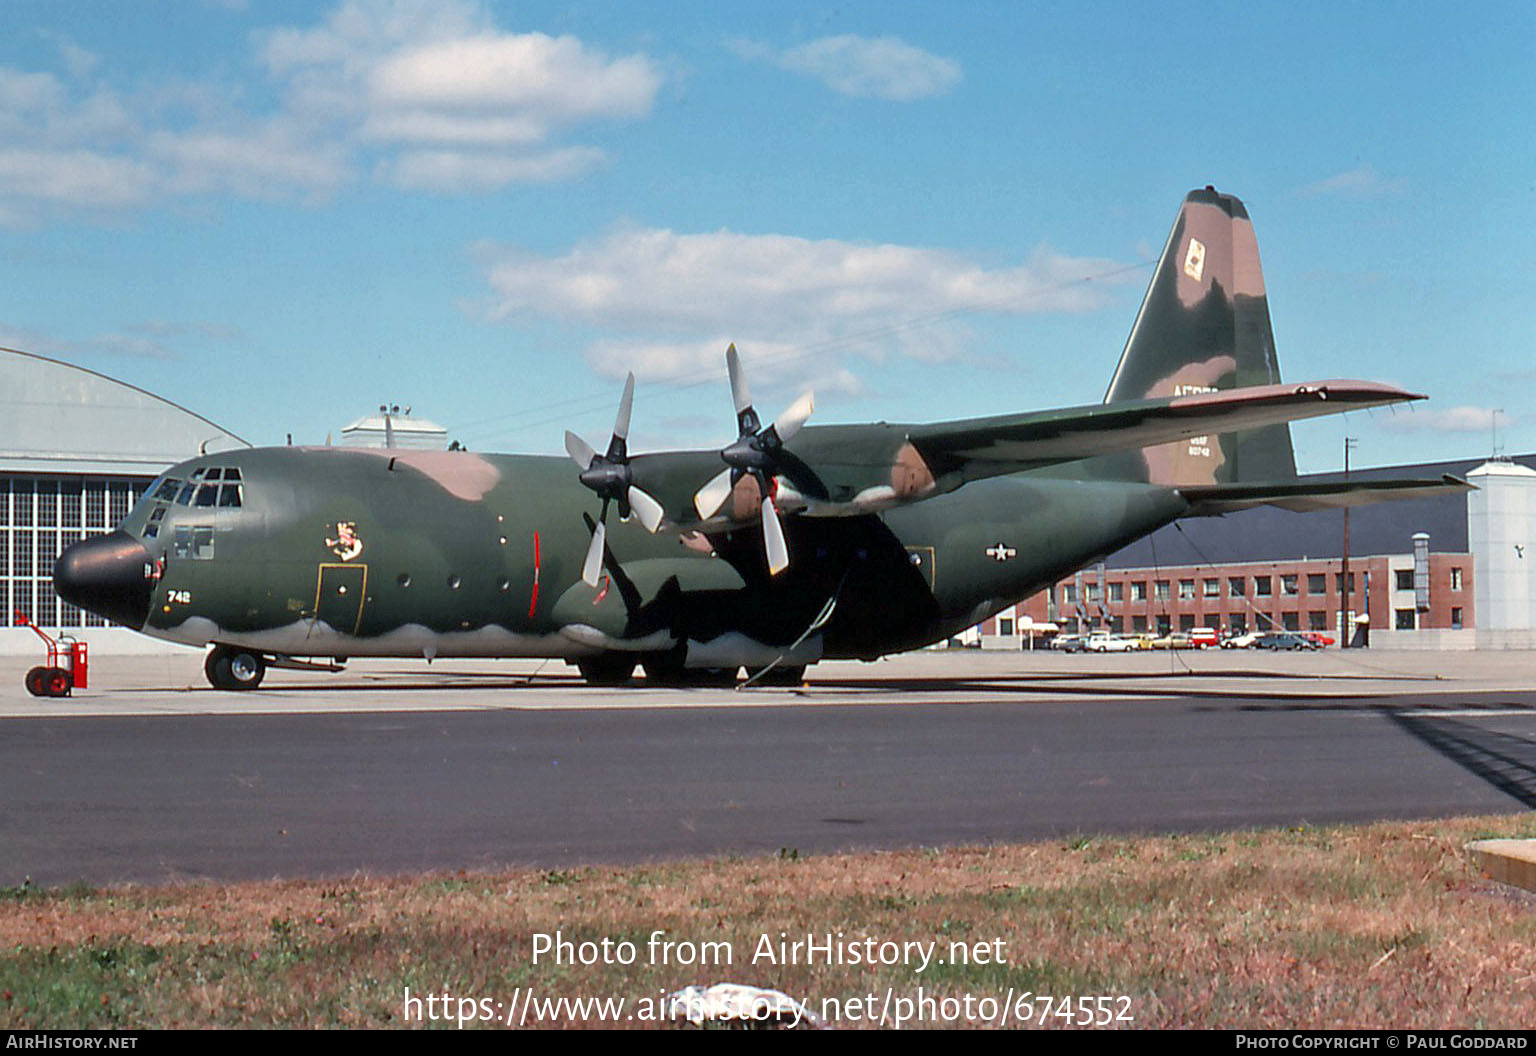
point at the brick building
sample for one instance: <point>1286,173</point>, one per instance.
<point>1412,568</point>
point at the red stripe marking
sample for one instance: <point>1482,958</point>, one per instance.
<point>533,598</point>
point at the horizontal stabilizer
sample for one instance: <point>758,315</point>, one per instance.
<point>1043,438</point>
<point>1301,496</point>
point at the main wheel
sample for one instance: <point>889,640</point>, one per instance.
<point>56,682</point>
<point>664,672</point>
<point>230,667</point>
<point>35,684</point>
<point>607,670</point>
<point>784,676</point>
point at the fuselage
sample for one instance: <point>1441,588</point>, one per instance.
<point>340,552</point>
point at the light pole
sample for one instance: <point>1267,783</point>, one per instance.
<point>1344,584</point>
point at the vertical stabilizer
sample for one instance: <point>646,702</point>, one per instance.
<point>1203,326</point>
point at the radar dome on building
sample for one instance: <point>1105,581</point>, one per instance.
<point>397,430</point>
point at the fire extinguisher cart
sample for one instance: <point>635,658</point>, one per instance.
<point>66,668</point>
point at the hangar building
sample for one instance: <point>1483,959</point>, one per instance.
<point>77,449</point>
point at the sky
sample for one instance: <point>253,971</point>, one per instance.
<point>281,215</point>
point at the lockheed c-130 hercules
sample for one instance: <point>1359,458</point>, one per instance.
<point>812,542</point>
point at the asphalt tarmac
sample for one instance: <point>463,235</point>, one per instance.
<point>394,766</point>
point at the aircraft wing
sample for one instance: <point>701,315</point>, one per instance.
<point>1029,440</point>
<point>1302,496</point>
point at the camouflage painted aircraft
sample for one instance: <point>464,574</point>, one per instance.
<point>811,542</point>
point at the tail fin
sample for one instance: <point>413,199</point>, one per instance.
<point>1203,326</point>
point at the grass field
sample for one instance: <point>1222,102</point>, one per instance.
<point>1386,925</point>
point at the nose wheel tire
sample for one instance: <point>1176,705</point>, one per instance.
<point>229,667</point>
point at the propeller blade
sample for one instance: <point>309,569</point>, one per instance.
<point>592,567</point>
<point>739,392</point>
<point>618,444</point>
<point>580,451</point>
<point>789,423</point>
<point>646,508</point>
<point>773,539</point>
<point>621,424</point>
<point>708,499</point>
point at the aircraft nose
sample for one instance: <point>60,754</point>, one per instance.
<point>111,575</point>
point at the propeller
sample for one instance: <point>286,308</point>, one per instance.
<point>609,475</point>
<point>755,453</point>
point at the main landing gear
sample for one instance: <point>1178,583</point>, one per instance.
<point>231,667</point>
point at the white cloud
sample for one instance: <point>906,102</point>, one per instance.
<point>260,161</point>
<point>82,178</point>
<point>468,107</point>
<point>1463,419</point>
<point>429,95</point>
<point>866,67</point>
<point>457,171</point>
<point>530,77</point>
<point>801,303</point>
<point>156,339</point>
<point>657,277</point>
<point>1363,181</point>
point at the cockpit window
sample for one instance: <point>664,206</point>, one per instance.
<point>205,486</point>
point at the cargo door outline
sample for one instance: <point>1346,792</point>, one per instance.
<point>340,591</point>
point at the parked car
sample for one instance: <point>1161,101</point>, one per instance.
<point>1318,638</point>
<point>1240,641</point>
<point>1069,643</point>
<point>1203,636</point>
<point>1104,642</point>
<point>1284,640</point>
<point>1175,640</point>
